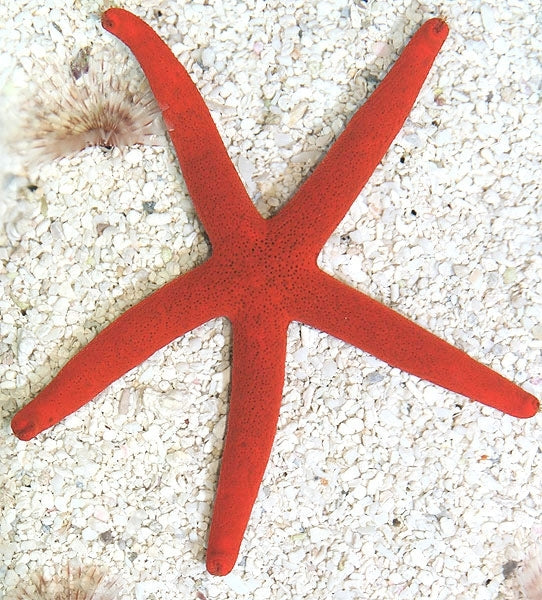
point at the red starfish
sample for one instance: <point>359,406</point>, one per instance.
<point>263,274</point>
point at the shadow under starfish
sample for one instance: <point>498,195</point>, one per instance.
<point>263,274</point>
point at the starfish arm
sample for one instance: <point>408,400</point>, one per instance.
<point>359,320</point>
<point>171,311</point>
<point>217,192</point>
<point>259,352</point>
<point>325,197</point>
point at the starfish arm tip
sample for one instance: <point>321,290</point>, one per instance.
<point>512,400</point>
<point>530,407</point>
<point>219,563</point>
<point>108,19</point>
<point>439,27</point>
<point>23,428</point>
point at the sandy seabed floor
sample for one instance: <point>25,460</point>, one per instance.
<point>380,485</point>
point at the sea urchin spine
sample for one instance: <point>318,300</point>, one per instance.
<point>92,108</point>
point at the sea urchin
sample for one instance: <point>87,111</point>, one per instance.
<point>530,576</point>
<point>91,106</point>
<point>74,583</point>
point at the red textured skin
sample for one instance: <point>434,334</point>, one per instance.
<point>261,275</point>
